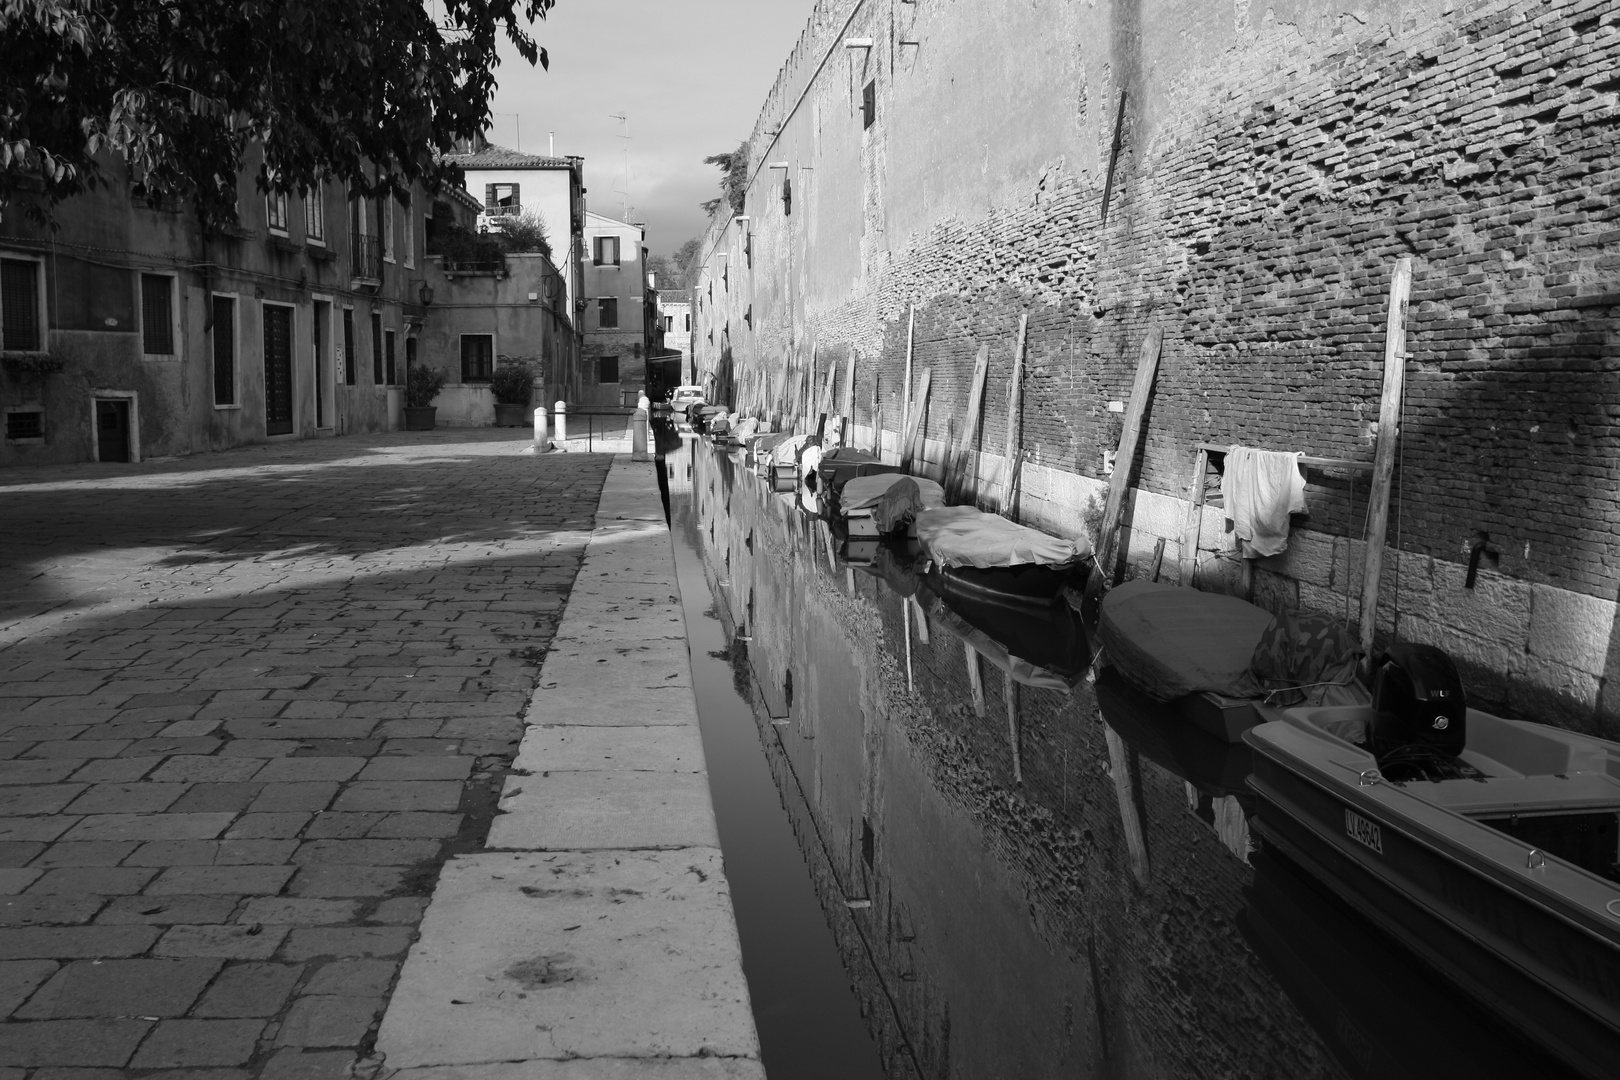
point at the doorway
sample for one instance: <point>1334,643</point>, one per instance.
<point>278,375</point>
<point>112,430</point>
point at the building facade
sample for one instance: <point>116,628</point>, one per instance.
<point>127,333</point>
<point>618,316</point>
<point>509,182</point>
<point>927,181</point>
<point>675,319</point>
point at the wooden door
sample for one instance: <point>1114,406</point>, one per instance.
<point>278,372</point>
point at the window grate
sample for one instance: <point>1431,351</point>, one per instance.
<point>19,304</point>
<point>607,311</point>
<point>607,369</point>
<point>157,315</point>
<point>25,425</point>
<point>477,357</point>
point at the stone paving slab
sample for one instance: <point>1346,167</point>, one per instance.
<point>710,1068</point>
<point>249,704</point>
<point>578,954</point>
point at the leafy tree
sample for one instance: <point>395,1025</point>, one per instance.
<point>366,91</point>
<point>733,182</point>
<point>675,271</point>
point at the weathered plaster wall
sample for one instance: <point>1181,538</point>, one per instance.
<point>1274,163</point>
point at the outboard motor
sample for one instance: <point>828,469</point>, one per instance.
<point>1418,697</point>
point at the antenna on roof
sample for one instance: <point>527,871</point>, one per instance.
<point>624,192</point>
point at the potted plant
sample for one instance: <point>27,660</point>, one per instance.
<point>422,384</point>
<point>511,385</point>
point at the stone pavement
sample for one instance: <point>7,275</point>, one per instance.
<point>249,704</point>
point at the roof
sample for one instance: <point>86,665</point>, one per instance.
<point>602,221</point>
<point>674,296</point>
<point>501,157</point>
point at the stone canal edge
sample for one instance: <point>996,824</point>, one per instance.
<point>594,934</point>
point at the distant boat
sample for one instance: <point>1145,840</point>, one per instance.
<point>1487,846</point>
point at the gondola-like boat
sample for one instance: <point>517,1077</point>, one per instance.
<point>1487,846</point>
<point>842,464</point>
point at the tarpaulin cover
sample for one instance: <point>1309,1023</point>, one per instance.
<point>745,429</point>
<point>1171,641</point>
<point>865,492</point>
<point>787,451</point>
<point>964,536</point>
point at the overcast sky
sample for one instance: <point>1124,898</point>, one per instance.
<point>691,77</point>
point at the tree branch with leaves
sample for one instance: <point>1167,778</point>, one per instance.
<point>368,92</point>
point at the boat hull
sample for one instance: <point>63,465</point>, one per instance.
<point>1514,952</point>
<point>1014,584</point>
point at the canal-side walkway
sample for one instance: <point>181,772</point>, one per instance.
<point>250,702</point>
<point>594,936</point>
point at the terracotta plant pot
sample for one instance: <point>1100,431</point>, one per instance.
<point>513,415</point>
<point>419,419</point>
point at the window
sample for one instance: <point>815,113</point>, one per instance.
<point>224,332</point>
<point>25,424</point>
<point>315,217</point>
<point>157,315</point>
<point>19,305</point>
<point>408,237</point>
<point>388,228</point>
<point>275,211</point>
<point>669,324</point>
<point>348,347</point>
<point>607,313</point>
<point>869,104</point>
<point>376,349</point>
<point>477,357</point>
<point>391,372</point>
<point>605,251</point>
<point>502,199</point>
<point>607,369</point>
<point>689,324</point>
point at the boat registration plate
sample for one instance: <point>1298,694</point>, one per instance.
<point>1364,832</point>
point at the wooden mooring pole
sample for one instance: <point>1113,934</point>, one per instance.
<point>1147,367</point>
<point>1013,455</point>
<point>1389,423</point>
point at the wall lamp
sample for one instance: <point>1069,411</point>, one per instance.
<point>424,292</point>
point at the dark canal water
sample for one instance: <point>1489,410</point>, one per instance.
<point>947,863</point>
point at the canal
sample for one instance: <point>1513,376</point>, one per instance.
<point>953,854</point>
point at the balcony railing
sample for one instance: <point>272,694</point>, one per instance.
<point>365,257</point>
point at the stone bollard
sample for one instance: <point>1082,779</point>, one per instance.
<point>562,425</point>
<point>638,436</point>
<point>540,427</point>
<point>643,404</point>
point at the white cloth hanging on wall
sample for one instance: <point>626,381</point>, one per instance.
<point>1260,489</point>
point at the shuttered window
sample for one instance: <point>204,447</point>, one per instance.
<point>349,362</point>
<point>607,370</point>
<point>157,315</point>
<point>477,357</point>
<point>388,358</point>
<point>224,350</point>
<point>376,349</point>
<point>606,251</point>
<point>19,304</point>
<point>607,313</point>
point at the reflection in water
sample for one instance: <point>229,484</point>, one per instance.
<point>1017,888</point>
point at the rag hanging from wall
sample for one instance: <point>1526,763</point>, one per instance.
<point>1261,488</point>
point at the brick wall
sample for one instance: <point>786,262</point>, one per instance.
<point>1271,170</point>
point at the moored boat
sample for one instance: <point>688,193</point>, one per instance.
<point>1487,846</point>
<point>842,464</point>
<point>988,555</point>
<point>1213,657</point>
<point>884,503</point>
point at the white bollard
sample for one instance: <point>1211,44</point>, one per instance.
<point>638,436</point>
<point>541,423</point>
<point>562,425</point>
<point>643,404</point>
